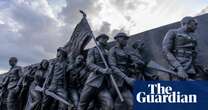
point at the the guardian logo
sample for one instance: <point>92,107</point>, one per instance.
<point>162,94</point>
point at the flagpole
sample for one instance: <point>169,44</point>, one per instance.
<point>105,63</point>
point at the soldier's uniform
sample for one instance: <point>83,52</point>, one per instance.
<point>138,58</point>
<point>3,97</point>
<point>13,76</point>
<point>35,97</point>
<point>96,84</point>
<point>58,83</point>
<point>47,101</point>
<point>76,77</point>
<point>119,61</point>
<point>4,92</point>
<point>180,50</point>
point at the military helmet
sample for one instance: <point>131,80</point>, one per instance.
<point>187,19</point>
<point>13,58</point>
<point>102,36</point>
<point>63,51</point>
<point>121,34</point>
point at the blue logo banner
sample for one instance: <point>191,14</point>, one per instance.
<point>171,95</point>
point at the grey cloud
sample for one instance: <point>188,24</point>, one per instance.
<point>37,37</point>
<point>203,11</point>
<point>128,4</point>
<point>107,29</point>
<point>70,12</point>
<point>33,35</point>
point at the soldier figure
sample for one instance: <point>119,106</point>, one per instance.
<point>96,85</point>
<point>137,54</point>
<point>35,97</point>
<point>179,47</point>
<point>76,76</point>
<point>119,60</point>
<point>3,93</point>
<point>13,84</point>
<point>58,83</point>
<point>26,81</point>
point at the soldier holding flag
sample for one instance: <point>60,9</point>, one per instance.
<point>96,84</point>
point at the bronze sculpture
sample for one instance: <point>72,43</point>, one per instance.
<point>97,83</point>
<point>179,47</point>
<point>119,60</point>
<point>13,84</point>
<point>35,97</point>
<point>69,84</point>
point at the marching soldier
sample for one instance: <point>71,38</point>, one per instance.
<point>13,84</point>
<point>76,77</point>
<point>58,82</point>
<point>137,54</point>
<point>179,47</point>
<point>3,92</point>
<point>35,97</point>
<point>119,60</point>
<point>97,82</point>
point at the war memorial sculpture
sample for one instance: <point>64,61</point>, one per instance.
<point>101,78</point>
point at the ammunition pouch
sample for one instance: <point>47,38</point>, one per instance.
<point>184,53</point>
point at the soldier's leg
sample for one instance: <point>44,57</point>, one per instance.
<point>33,100</point>
<point>4,99</point>
<point>12,100</point>
<point>93,105</point>
<point>105,100</point>
<point>87,95</point>
<point>128,98</point>
<point>61,92</point>
<point>36,97</point>
<point>46,102</point>
<point>74,96</point>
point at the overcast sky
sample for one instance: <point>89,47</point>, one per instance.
<point>33,29</point>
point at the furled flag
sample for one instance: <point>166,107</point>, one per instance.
<point>80,38</point>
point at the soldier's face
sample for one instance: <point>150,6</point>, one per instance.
<point>44,64</point>
<point>192,25</point>
<point>58,54</point>
<point>79,59</point>
<point>122,41</point>
<point>103,41</point>
<point>140,45</point>
<point>12,62</point>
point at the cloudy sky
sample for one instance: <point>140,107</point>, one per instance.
<point>32,29</point>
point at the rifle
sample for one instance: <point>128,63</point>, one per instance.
<point>41,89</point>
<point>50,93</point>
<point>107,66</point>
<point>156,66</point>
